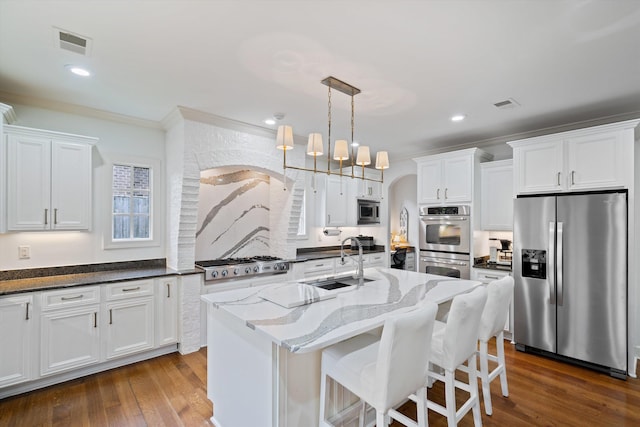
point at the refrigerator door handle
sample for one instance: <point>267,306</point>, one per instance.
<point>559,262</point>
<point>551,261</point>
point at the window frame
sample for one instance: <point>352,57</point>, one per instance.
<point>155,211</point>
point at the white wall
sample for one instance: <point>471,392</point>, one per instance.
<point>70,248</point>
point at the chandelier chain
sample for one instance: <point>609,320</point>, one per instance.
<point>329,130</point>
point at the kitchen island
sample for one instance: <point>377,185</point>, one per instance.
<point>263,360</point>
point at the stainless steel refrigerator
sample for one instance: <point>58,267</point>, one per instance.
<point>570,271</point>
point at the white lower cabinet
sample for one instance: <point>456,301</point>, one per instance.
<point>166,311</point>
<point>43,334</point>
<point>70,333</point>
<point>16,337</point>
<point>129,318</point>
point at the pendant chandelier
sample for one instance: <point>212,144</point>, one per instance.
<point>315,145</point>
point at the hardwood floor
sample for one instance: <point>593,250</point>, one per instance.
<point>171,391</point>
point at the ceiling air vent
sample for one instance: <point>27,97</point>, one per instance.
<point>67,40</point>
<point>507,103</point>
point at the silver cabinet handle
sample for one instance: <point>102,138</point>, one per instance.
<point>111,316</point>
<point>438,193</point>
<point>95,319</point>
<point>55,216</point>
<point>27,314</point>
<point>558,178</point>
<point>46,215</point>
<point>559,262</point>
<point>137,288</point>
<point>445,193</point>
<point>72,298</point>
<point>573,177</point>
<point>552,254</point>
<point>329,218</point>
<point>168,290</point>
<point>492,277</point>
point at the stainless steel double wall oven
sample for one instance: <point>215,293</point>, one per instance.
<point>445,240</point>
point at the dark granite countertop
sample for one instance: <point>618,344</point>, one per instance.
<point>308,254</point>
<point>492,266</point>
<point>31,280</point>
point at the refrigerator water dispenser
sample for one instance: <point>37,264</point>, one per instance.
<point>534,263</point>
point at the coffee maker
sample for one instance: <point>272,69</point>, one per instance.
<point>501,254</point>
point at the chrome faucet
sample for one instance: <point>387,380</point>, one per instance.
<point>360,271</point>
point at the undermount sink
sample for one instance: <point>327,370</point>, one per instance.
<point>336,282</point>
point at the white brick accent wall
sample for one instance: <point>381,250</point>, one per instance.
<point>195,145</point>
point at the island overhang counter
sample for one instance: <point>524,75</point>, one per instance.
<point>263,360</point>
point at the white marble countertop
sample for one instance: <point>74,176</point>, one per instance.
<point>317,325</point>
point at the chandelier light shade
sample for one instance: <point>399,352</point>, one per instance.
<point>284,138</point>
<point>382,160</point>
<point>363,158</point>
<point>315,145</point>
<point>341,151</point>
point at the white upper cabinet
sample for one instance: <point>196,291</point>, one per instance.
<point>449,178</point>
<point>48,180</point>
<point>586,159</point>
<point>497,195</point>
<point>338,201</point>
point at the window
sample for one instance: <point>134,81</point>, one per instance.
<point>131,203</point>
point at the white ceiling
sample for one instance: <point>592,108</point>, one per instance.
<point>416,63</point>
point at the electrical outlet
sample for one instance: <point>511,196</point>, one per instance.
<point>24,252</point>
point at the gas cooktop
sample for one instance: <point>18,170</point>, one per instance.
<point>227,268</point>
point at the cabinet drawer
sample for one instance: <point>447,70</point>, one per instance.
<point>70,297</point>
<point>376,259</point>
<point>488,276</point>
<point>319,266</point>
<point>132,289</point>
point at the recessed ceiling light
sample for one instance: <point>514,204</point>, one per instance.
<point>78,71</point>
<point>270,121</point>
<point>355,144</point>
<point>458,118</point>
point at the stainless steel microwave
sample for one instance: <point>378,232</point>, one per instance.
<point>368,212</point>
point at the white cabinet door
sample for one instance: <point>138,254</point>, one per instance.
<point>129,326</point>
<point>595,161</point>
<point>458,181</point>
<point>497,195</point>
<point>70,185</point>
<point>430,182</point>
<point>28,182</point>
<point>48,180</point>
<point>69,338</point>
<point>167,311</point>
<point>539,167</point>
<point>338,201</point>
<point>16,335</point>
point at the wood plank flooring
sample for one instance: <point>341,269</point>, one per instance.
<point>171,391</point>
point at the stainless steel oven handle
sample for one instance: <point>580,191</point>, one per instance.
<point>440,261</point>
<point>445,217</point>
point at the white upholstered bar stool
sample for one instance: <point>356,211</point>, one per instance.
<point>494,317</point>
<point>455,343</point>
<point>384,371</point>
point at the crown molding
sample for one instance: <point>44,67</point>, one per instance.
<point>77,109</point>
<point>8,115</point>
